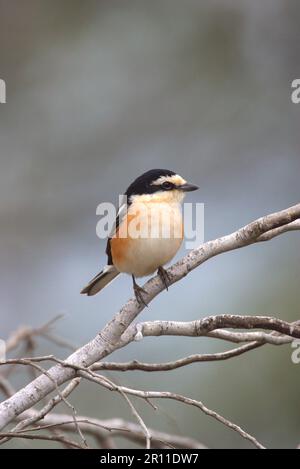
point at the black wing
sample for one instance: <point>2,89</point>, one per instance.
<point>121,213</point>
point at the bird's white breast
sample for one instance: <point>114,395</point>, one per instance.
<point>142,255</point>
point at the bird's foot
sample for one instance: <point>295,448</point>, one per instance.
<point>165,277</point>
<point>139,292</point>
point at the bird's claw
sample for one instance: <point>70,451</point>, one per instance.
<point>139,292</point>
<point>164,276</point>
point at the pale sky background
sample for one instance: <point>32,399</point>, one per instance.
<point>97,93</point>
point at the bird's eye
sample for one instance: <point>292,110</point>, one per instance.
<point>167,185</point>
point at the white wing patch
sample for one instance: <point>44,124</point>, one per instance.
<point>121,215</point>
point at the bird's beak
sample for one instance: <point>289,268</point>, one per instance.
<point>188,187</point>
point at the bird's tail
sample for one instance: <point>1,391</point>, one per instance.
<point>101,280</point>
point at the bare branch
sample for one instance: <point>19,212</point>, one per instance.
<point>57,438</point>
<point>99,429</point>
<point>109,339</point>
<point>117,428</point>
<point>38,415</point>
<point>173,365</point>
<point>107,383</point>
<point>25,333</point>
<point>206,326</point>
<point>293,226</point>
<point>172,396</point>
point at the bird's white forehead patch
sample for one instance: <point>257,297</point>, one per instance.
<point>174,179</point>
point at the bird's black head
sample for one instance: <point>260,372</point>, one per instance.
<point>146,183</point>
<point>158,180</point>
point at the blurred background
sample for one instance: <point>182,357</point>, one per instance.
<point>101,91</point>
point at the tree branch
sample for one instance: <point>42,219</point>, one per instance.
<point>108,339</point>
<point>116,428</point>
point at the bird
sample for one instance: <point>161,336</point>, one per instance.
<point>153,200</point>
